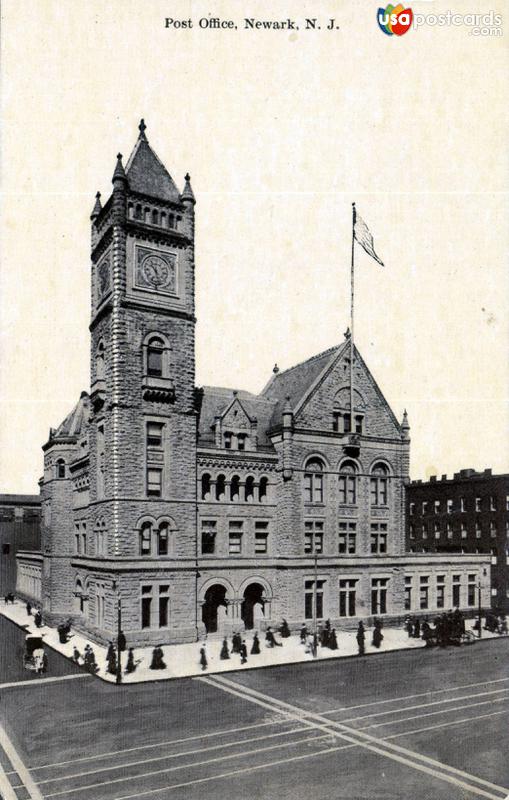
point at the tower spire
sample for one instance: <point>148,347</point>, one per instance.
<point>188,193</point>
<point>119,173</point>
<point>97,206</point>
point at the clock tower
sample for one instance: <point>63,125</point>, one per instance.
<point>142,433</point>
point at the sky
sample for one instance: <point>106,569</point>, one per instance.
<point>281,130</point>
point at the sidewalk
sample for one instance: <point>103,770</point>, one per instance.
<point>182,660</point>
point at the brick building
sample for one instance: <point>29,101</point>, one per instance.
<point>468,513</point>
<point>20,529</point>
<point>216,509</point>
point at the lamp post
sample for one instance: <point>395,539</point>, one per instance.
<point>315,585</point>
<point>118,675</point>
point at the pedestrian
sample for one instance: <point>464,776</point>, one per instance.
<point>377,637</point>
<point>285,629</point>
<point>76,655</point>
<point>236,642</point>
<point>111,660</point>
<point>122,643</point>
<point>243,652</point>
<point>255,649</point>
<point>271,639</point>
<point>38,619</point>
<point>157,658</point>
<point>303,634</point>
<point>427,634</point>
<point>417,629</point>
<point>203,659</point>
<point>225,653</point>
<point>333,641</point>
<point>29,608</point>
<point>409,626</point>
<point>361,637</point>
<point>503,626</point>
<point>38,656</point>
<point>130,666</point>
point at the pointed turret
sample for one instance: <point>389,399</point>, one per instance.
<point>119,173</point>
<point>187,195</point>
<point>405,427</point>
<point>97,206</point>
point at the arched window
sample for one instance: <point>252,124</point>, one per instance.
<point>147,214</point>
<point>313,481</point>
<point>155,217</point>
<point>60,468</point>
<point>235,488</point>
<point>155,350</point>
<point>130,211</point>
<point>378,484</point>
<point>249,494</point>
<point>138,214</point>
<point>263,490</point>
<point>171,220</point>
<point>146,539</point>
<point>99,362</point>
<point>205,486</point>
<point>163,219</point>
<point>163,539</point>
<point>220,487</point>
<point>348,483</point>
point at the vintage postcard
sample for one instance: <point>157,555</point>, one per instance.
<point>254,485</point>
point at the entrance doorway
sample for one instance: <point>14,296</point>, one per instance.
<point>253,605</point>
<point>215,598</point>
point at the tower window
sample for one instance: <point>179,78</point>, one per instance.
<point>155,217</point>
<point>154,482</point>
<point>162,540</point>
<point>60,471</point>
<point>378,485</point>
<point>313,481</point>
<point>348,483</point>
<point>154,434</point>
<point>146,539</point>
<point>155,351</point>
<point>205,486</point>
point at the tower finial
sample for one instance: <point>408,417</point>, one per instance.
<point>97,206</point>
<point>188,194</point>
<point>142,128</point>
<point>119,173</point>
<point>276,369</point>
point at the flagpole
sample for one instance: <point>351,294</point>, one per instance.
<point>352,430</point>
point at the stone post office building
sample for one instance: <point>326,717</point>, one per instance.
<point>215,509</point>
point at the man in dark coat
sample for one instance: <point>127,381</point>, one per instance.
<point>255,649</point>
<point>224,654</point>
<point>361,637</point>
<point>122,643</point>
<point>377,637</point>
<point>29,609</point>
<point>271,639</point>
<point>333,641</point>
<point>203,659</point>
<point>303,634</point>
<point>236,642</point>
<point>243,652</point>
<point>38,619</point>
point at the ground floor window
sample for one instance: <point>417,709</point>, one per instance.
<point>379,595</point>
<point>471,590</point>
<point>456,590</point>
<point>347,597</point>
<point>155,606</point>
<point>440,591</point>
<point>424,592</point>
<point>309,599</point>
<point>408,593</point>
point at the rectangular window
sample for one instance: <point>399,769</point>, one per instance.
<point>164,604</point>
<point>347,538</point>
<point>408,593</point>
<point>261,537</point>
<point>493,530</point>
<point>437,530</point>
<point>440,591</point>
<point>208,536</point>
<point>424,507</point>
<point>463,506</point>
<point>378,537</point>
<point>412,509</point>
<point>379,595</point>
<point>423,592</point>
<point>456,590</point>
<point>241,442</point>
<point>493,503</point>
<point>313,536</point>
<point>412,530</point>
<point>313,487</point>
<point>477,503</point>
<point>154,434</point>
<point>424,531</point>
<point>6,548</point>
<point>309,599</point>
<point>154,482</point>
<point>146,606</point>
<point>228,441</point>
<point>449,530</point>
<point>77,542</point>
<point>84,539</point>
<point>347,489</point>
<point>436,506</point>
<point>100,462</point>
<point>463,530</point>
<point>507,502</point>
<point>235,537</point>
<point>347,597</point>
<point>471,590</point>
<point>478,530</point>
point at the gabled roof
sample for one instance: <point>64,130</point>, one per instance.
<point>75,423</point>
<point>147,174</point>
<point>296,382</point>
<point>217,400</point>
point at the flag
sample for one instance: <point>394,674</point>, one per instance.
<point>363,235</point>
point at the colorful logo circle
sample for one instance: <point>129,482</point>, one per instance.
<point>395,19</point>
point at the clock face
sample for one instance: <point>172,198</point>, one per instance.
<point>156,270</point>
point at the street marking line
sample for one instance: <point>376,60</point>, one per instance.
<point>433,713</point>
<point>39,681</point>
<point>413,696</point>
<point>19,766</point>
<point>223,732</point>
<point>369,742</point>
<point>6,789</point>
<point>188,766</point>
<point>176,755</point>
<point>445,725</point>
<point>257,767</point>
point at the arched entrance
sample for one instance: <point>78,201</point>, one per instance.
<point>214,608</point>
<point>253,605</point>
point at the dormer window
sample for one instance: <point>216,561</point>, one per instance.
<point>155,350</point>
<point>228,441</point>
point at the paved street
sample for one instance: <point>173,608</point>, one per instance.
<point>419,724</point>
<point>12,639</point>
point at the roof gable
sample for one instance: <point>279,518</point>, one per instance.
<point>147,174</point>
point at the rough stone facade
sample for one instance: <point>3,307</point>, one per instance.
<point>188,510</point>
